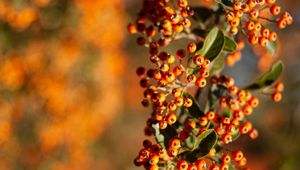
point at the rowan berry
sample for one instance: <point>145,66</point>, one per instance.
<point>253,133</point>
<point>164,67</point>
<point>275,9</point>
<point>245,8</point>
<point>261,2</point>
<point>253,14</point>
<point>182,165</point>
<point>204,72</point>
<point>257,27</point>
<point>276,96</point>
<point>233,90</point>
<point>201,164</point>
<point>192,167</point>
<point>210,115</point>
<point>191,78</point>
<point>279,87</point>
<point>281,23</point>
<point>253,39</point>
<point>141,71</point>
<point>170,77</point>
<point>254,102</point>
<point>263,41</point>
<point>191,47</point>
<point>178,70</point>
<point>240,44</point>
<point>203,121</point>
<point>230,16</point>
<point>171,59</point>
<point>237,5</point>
<point>174,143</point>
<point>139,161</point>
<point>198,60</point>
<point>214,167</point>
<point>273,36</point>
<point>226,138</point>
<point>250,25</point>
<point>226,158</point>
<point>172,152</point>
<point>224,167</point>
<point>172,106</point>
<point>251,3</point>
<point>154,159</point>
<point>235,22</point>
<point>178,101</point>
<point>187,102</point>
<point>238,13</point>
<point>189,125</point>
<point>176,92</point>
<point>153,167</point>
<point>230,61</point>
<point>237,155</point>
<point>265,32</point>
<point>242,162</point>
<point>245,127</point>
<point>171,118</point>
<point>186,23</point>
<point>178,27</point>
<point>201,82</point>
<point>132,28</point>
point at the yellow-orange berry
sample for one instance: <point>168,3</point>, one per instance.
<point>265,32</point>
<point>230,16</point>
<point>279,87</point>
<point>235,22</point>
<point>263,41</point>
<point>174,143</point>
<point>172,152</point>
<point>210,115</point>
<point>191,47</point>
<point>132,28</point>
<point>203,121</point>
<point>253,14</point>
<point>270,1</point>
<point>187,102</point>
<point>237,155</point>
<point>154,159</point>
<point>233,30</point>
<point>237,5</point>
<point>226,138</point>
<point>178,101</point>
<point>201,164</point>
<point>253,39</point>
<point>281,23</point>
<point>254,102</point>
<point>182,165</point>
<point>201,82</point>
<point>275,9</point>
<point>276,97</point>
<point>272,36</point>
<point>176,92</point>
<point>250,25</point>
<point>171,118</point>
<point>191,78</point>
<point>242,162</point>
<point>198,60</point>
<point>192,167</point>
<point>226,158</point>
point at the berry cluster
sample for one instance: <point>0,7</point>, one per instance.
<point>236,55</point>
<point>248,16</point>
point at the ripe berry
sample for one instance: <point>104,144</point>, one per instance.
<point>172,152</point>
<point>226,158</point>
<point>250,25</point>
<point>203,121</point>
<point>210,115</point>
<point>198,60</point>
<point>281,23</point>
<point>263,41</point>
<point>174,143</point>
<point>279,87</point>
<point>154,159</point>
<point>201,164</point>
<point>273,36</point>
<point>182,165</point>
<point>242,162</point>
<point>253,14</point>
<point>171,118</point>
<point>253,133</point>
<point>201,82</point>
<point>178,101</point>
<point>181,53</point>
<point>191,47</point>
<point>276,97</point>
<point>237,155</point>
<point>275,9</point>
<point>187,102</point>
<point>253,39</point>
<point>132,28</point>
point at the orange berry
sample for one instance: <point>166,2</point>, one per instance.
<point>226,138</point>
<point>178,70</point>
<point>172,152</point>
<point>187,102</point>
<point>154,167</point>
<point>237,5</point>
<point>192,167</point>
<point>257,27</point>
<point>242,162</point>
<point>254,102</point>
<point>191,78</point>
<point>230,16</point>
<point>270,1</point>
<point>275,9</point>
<point>253,133</point>
<point>176,92</point>
<point>233,30</point>
<point>174,143</point>
<point>238,13</point>
<point>263,41</point>
<point>210,115</point>
<point>279,87</point>
<point>154,159</point>
<point>230,61</point>
<point>198,60</point>
<point>201,82</point>
<point>189,125</point>
<point>245,7</point>
<point>171,118</point>
<point>250,25</point>
<point>214,167</point>
<point>203,121</point>
<point>261,2</point>
<point>226,158</point>
<point>224,167</point>
<point>265,32</point>
<point>201,164</point>
<point>251,3</point>
<point>253,14</point>
<point>178,101</point>
<point>245,128</point>
<point>253,39</point>
<point>182,165</point>
<point>281,23</point>
<point>237,155</point>
<point>272,36</point>
<point>240,44</point>
<point>191,47</point>
<point>235,22</point>
<point>276,97</point>
<point>247,110</point>
<point>132,28</point>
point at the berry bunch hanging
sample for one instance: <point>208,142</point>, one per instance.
<point>192,131</point>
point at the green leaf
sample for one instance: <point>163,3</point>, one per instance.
<point>213,44</point>
<point>217,65</point>
<point>207,141</point>
<point>230,44</point>
<point>194,110</point>
<point>267,78</point>
<point>168,133</point>
<point>271,47</point>
<point>225,2</point>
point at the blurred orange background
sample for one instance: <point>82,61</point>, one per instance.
<point>69,97</point>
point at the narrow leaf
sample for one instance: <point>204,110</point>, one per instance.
<point>230,44</point>
<point>271,47</point>
<point>267,78</point>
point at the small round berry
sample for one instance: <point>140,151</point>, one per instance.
<point>250,25</point>
<point>181,53</point>
<point>276,97</point>
<point>224,167</point>
<point>253,14</point>
<point>265,32</point>
<point>270,1</point>
<point>141,41</point>
<point>164,67</point>
<point>253,133</point>
<point>141,71</point>
<point>210,115</point>
<point>237,155</point>
<point>226,138</point>
<point>230,16</point>
<point>203,121</point>
<point>132,28</point>
<point>263,41</point>
<point>237,5</point>
<point>187,102</point>
<point>153,167</point>
<point>191,47</point>
<point>182,165</point>
<point>183,135</point>
<point>281,23</point>
<point>279,87</point>
<point>154,159</point>
<point>226,158</point>
<point>198,60</point>
<point>253,39</point>
<point>171,118</point>
<point>235,22</point>
<point>275,9</point>
<point>273,36</point>
<point>192,167</point>
<point>233,30</point>
<point>178,101</point>
<point>251,3</point>
<point>257,27</point>
<point>201,82</point>
<point>261,2</point>
<point>214,167</point>
<point>191,78</point>
<point>242,162</point>
<point>172,106</point>
<point>175,143</point>
<point>170,77</point>
<point>176,92</point>
<point>254,102</point>
<point>201,164</point>
<point>245,128</point>
<point>178,70</point>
